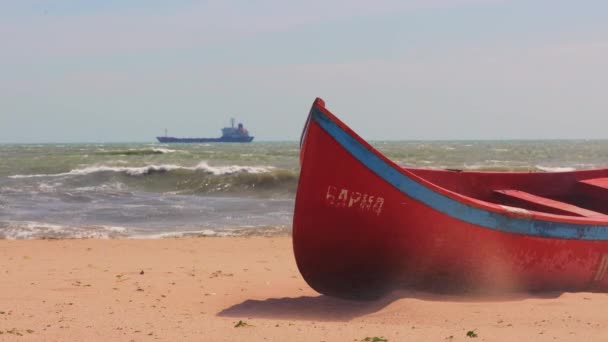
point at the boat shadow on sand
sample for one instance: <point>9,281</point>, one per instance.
<point>334,309</point>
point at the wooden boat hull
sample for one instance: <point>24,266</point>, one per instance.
<point>364,225</point>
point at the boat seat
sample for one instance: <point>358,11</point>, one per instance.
<point>595,187</point>
<point>544,204</point>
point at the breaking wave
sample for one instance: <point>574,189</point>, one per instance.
<point>492,165</point>
<point>14,230</point>
<point>38,230</point>
<point>267,231</point>
<point>144,170</point>
<point>554,168</point>
<point>177,179</point>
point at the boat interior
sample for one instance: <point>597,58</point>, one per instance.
<point>575,193</point>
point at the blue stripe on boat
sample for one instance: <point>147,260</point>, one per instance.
<point>454,208</point>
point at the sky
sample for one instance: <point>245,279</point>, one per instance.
<point>123,71</point>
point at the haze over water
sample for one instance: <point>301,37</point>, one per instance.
<point>154,190</point>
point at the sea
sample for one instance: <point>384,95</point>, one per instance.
<point>151,190</point>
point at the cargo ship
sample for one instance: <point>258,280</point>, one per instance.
<point>230,134</point>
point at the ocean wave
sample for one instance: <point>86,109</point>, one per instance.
<point>243,231</point>
<point>165,150</point>
<point>28,230</point>
<point>554,168</point>
<point>49,187</point>
<point>277,182</point>
<point>13,230</point>
<point>499,166</point>
<point>496,167</point>
<point>171,179</point>
<point>132,171</point>
<point>148,169</point>
<point>108,187</point>
<point>231,169</point>
<point>181,234</point>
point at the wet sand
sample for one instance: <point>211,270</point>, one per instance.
<point>201,288</point>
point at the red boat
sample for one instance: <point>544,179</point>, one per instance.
<point>364,225</point>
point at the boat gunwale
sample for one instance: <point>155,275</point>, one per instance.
<point>490,215</point>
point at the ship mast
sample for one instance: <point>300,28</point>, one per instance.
<point>232,122</point>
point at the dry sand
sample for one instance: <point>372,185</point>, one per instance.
<point>200,288</point>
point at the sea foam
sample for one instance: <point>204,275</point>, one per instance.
<point>554,168</point>
<point>40,230</point>
<point>144,170</point>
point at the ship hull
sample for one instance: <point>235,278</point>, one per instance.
<point>204,140</point>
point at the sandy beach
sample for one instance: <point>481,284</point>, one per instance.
<point>246,289</point>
